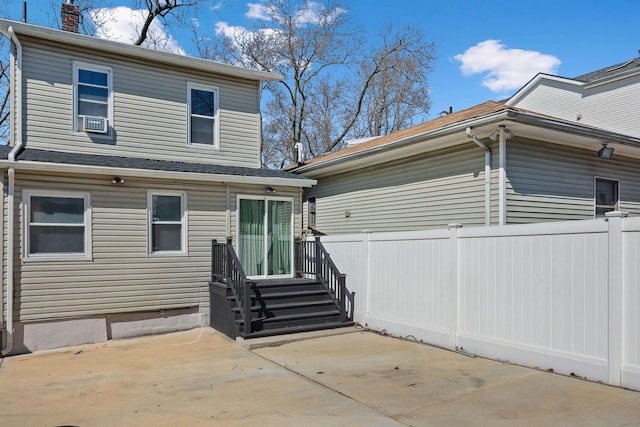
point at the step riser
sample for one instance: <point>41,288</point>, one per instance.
<point>296,310</point>
<point>298,322</point>
<point>293,288</point>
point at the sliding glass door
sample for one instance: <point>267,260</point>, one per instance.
<point>265,236</point>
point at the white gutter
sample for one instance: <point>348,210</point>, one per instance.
<point>16,109</point>
<point>487,176</point>
<point>158,174</point>
<point>446,130</point>
<point>502,175</point>
<point>145,54</point>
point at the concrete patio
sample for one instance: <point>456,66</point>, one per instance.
<point>352,378</point>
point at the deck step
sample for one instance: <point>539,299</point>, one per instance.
<point>296,329</point>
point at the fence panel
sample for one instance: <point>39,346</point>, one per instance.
<point>631,302</point>
<point>542,295</point>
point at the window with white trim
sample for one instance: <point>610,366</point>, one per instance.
<point>93,98</point>
<point>607,196</point>
<point>57,224</point>
<point>167,222</point>
<point>204,126</point>
<point>312,212</point>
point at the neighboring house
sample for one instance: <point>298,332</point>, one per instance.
<point>608,98</point>
<point>492,164</point>
<point>124,163</point>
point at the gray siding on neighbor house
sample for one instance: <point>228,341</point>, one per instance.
<point>592,105</point>
<point>150,109</point>
<point>122,276</point>
<point>428,191</point>
<point>548,182</point>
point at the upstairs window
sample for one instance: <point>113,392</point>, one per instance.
<point>203,116</point>
<point>607,196</point>
<point>93,111</point>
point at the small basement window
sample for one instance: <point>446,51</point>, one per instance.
<point>606,196</point>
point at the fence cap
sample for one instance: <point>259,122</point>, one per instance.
<point>616,214</point>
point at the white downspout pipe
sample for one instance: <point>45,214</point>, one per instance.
<point>487,176</point>
<point>503,136</point>
<point>16,120</point>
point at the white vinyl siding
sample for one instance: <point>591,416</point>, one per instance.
<point>122,277</point>
<point>589,106</point>
<point>57,225</point>
<point>549,182</point>
<point>149,109</point>
<point>423,192</point>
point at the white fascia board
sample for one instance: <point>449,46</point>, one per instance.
<point>25,165</point>
<point>455,127</point>
<point>122,49</point>
<point>540,77</point>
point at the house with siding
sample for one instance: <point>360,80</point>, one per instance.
<point>608,98</point>
<point>124,164</point>
<point>492,164</point>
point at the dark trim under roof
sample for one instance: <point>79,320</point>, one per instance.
<point>59,157</point>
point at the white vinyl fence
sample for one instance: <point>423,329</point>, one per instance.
<point>561,296</point>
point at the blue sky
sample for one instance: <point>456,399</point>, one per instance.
<point>486,49</point>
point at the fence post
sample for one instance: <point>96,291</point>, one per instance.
<point>453,284</point>
<point>614,332</point>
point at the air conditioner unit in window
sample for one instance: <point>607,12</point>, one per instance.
<point>94,124</point>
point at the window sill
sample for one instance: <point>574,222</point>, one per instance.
<point>57,258</point>
<point>167,254</point>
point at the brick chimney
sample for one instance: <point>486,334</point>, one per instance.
<point>70,15</point>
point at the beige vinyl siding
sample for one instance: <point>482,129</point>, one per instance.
<point>150,109</point>
<point>589,106</point>
<point>430,191</point>
<point>548,182</point>
<point>122,276</point>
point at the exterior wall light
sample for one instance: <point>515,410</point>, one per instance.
<point>117,180</point>
<point>605,152</point>
<point>271,190</point>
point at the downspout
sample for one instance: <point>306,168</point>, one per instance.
<point>16,120</point>
<point>487,176</point>
<point>503,136</point>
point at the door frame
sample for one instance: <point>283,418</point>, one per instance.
<point>266,199</point>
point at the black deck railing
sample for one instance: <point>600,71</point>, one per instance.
<point>314,260</point>
<point>226,267</point>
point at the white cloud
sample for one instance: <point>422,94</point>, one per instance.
<point>258,11</point>
<point>312,14</point>
<point>123,24</point>
<point>505,69</point>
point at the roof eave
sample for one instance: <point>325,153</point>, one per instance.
<point>455,127</point>
<point>27,165</point>
<point>118,48</point>
<point>551,123</point>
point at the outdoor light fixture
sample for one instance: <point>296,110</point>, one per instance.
<point>605,152</point>
<point>117,180</point>
<point>271,190</point>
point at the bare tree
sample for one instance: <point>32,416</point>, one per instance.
<point>337,85</point>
